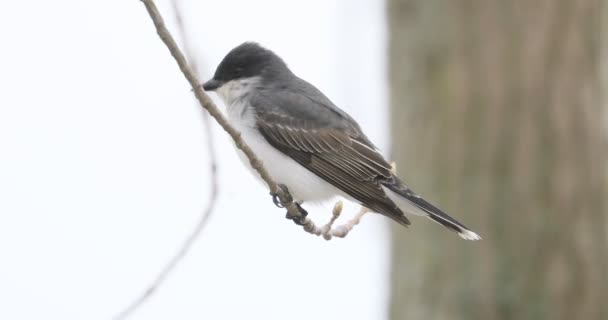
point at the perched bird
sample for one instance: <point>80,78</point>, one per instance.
<point>309,145</point>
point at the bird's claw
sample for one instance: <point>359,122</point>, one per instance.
<point>277,201</point>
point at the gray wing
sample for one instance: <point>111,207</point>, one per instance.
<point>332,146</point>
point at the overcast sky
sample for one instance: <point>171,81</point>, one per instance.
<point>104,171</point>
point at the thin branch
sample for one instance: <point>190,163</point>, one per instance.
<point>179,255</point>
<point>328,231</point>
<point>206,215</point>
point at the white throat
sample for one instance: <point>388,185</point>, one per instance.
<point>234,90</point>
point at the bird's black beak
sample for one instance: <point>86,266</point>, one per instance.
<point>212,84</point>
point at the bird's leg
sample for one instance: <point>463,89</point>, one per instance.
<point>275,197</point>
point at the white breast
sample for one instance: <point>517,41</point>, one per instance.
<point>303,184</point>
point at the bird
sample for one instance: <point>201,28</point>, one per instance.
<point>312,148</point>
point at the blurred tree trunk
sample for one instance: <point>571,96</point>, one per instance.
<point>497,118</point>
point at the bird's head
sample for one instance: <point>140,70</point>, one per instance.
<point>245,62</point>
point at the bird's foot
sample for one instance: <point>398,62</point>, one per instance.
<point>299,220</point>
<point>275,197</point>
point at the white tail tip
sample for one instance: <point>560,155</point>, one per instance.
<point>469,235</point>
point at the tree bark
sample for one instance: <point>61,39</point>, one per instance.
<point>497,117</point>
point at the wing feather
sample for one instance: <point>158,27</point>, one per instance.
<point>353,167</point>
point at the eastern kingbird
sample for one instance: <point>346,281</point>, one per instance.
<point>307,143</point>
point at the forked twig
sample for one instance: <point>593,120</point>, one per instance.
<point>340,231</point>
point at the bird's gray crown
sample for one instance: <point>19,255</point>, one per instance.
<point>250,60</point>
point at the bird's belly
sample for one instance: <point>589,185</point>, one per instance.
<point>303,185</point>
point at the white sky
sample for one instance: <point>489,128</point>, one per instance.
<point>103,170</point>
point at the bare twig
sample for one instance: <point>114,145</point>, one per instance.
<point>206,215</point>
<point>327,231</point>
<point>179,255</point>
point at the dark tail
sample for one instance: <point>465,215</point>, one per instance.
<point>409,199</point>
<point>443,218</point>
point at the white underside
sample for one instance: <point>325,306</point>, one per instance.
<point>303,185</point>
